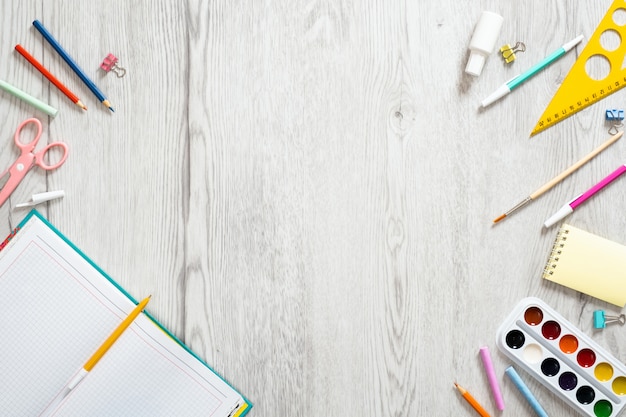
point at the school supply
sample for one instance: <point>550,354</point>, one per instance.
<point>614,114</point>
<point>95,358</point>
<point>560,177</point>
<point>588,263</point>
<point>563,359</point>
<point>523,388</point>
<point>57,306</point>
<point>509,86</point>
<point>58,84</point>
<point>601,319</point>
<point>578,90</point>
<point>73,65</point>
<point>10,179</point>
<point>27,98</point>
<point>110,64</point>
<point>508,52</point>
<point>485,356</point>
<point>483,41</point>
<point>569,208</point>
<point>617,117</point>
<point>39,198</point>
<point>472,401</point>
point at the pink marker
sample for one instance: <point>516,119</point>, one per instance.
<point>491,376</point>
<point>571,206</point>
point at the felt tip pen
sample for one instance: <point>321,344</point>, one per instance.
<point>515,82</point>
<point>569,208</point>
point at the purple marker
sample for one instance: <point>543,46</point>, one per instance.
<point>571,206</point>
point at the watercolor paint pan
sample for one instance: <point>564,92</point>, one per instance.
<point>563,359</point>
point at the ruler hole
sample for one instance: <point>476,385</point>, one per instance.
<point>619,17</point>
<point>597,67</point>
<point>610,40</point>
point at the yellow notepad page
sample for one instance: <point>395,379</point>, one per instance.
<point>56,309</point>
<point>588,263</point>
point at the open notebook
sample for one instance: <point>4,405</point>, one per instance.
<point>56,309</point>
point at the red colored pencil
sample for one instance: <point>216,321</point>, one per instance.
<point>49,76</point>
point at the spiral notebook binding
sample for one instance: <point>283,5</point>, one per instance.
<point>557,249</point>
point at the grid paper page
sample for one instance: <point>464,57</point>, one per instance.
<point>50,325</point>
<point>56,309</point>
<point>132,380</point>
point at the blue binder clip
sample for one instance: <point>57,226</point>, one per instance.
<point>617,117</point>
<point>614,114</point>
<point>600,320</point>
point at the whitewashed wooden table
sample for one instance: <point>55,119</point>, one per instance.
<point>307,189</point>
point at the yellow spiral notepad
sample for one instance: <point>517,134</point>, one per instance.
<point>588,263</point>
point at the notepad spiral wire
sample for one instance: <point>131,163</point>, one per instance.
<point>557,249</point>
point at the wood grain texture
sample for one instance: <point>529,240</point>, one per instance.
<point>307,189</point>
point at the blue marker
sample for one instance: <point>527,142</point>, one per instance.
<point>509,86</point>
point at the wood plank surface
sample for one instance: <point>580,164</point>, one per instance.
<point>307,189</point>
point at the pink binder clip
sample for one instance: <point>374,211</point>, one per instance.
<point>110,64</point>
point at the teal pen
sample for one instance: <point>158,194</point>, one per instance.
<point>510,85</point>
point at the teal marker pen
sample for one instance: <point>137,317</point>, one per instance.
<point>509,86</point>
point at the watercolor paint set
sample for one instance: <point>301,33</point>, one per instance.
<point>563,359</point>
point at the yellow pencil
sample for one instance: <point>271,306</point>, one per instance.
<point>93,360</point>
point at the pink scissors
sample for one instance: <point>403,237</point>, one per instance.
<point>12,176</point>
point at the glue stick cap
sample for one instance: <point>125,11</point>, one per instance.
<point>483,41</point>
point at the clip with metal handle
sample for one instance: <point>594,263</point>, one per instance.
<point>110,64</point>
<point>617,117</point>
<point>508,51</point>
<point>600,319</point>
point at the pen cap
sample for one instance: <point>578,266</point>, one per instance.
<point>483,41</point>
<point>47,196</point>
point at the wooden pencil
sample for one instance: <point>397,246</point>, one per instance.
<point>73,65</point>
<point>472,401</point>
<point>19,48</point>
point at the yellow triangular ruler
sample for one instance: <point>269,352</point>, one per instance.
<point>578,89</point>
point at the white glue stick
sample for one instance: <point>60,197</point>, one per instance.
<point>483,40</point>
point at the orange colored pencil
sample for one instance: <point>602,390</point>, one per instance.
<point>472,401</point>
<point>49,76</point>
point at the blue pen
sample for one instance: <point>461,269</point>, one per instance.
<point>510,85</point>
<point>68,59</point>
<point>519,383</point>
